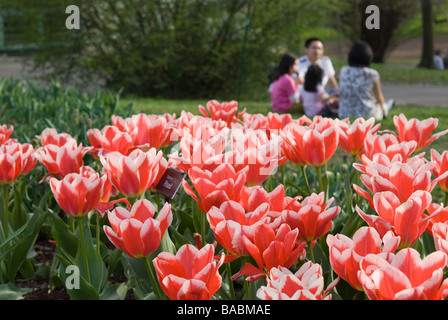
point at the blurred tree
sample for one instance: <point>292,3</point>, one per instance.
<point>175,48</point>
<point>392,13</point>
<point>427,58</point>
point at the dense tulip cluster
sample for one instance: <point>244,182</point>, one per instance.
<point>261,211</point>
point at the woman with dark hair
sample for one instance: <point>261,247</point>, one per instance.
<point>313,96</point>
<point>284,93</point>
<point>360,86</point>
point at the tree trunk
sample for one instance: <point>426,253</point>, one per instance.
<point>427,58</point>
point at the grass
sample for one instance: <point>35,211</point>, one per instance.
<point>403,72</point>
<point>160,106</point>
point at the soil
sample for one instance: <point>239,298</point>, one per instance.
<point>40,284</point>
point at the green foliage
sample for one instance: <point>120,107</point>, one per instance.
<point>176,48</point>
<point>31,108</point>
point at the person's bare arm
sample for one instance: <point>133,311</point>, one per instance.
<point>333,83</point>
<point>379,95</point>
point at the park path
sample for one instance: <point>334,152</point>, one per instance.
<point>424,95</point>
<point>417,94</point>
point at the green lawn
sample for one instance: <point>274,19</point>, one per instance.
<point>159,106</point>
<point>403,72</point>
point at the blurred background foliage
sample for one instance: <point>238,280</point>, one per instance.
<point>190,49</point>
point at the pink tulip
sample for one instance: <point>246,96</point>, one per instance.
<point>226,111</point>
<point>216,186</point>
<point>278,121</point>
<point>230,223</point>
<point>252,197</point>
<point>149,131</point>
<point>270,249</point>
<point>315,144</point>
<point>439,233</point>
<point>191,274</point>
<point>255,121</point>
<point>441,167</point>
<point>110,139</point>
<point>62,160</point>
<point>416,130</point>
<point>404,276</point>
<point>5,133</point>
<point>407,220</point>
<point>136,232</point>
<point>345,253</point>
<point>352,136</point>
<point>401,178</point>
<point>313,218</point>
<point>204,149</point>
<point>132,174</point>
<point>388,144</point>
<point>307,283</point>
<point>15,159</point>
<point>52,136</point>
<point>254,150</point>
<point>78,193</point>
<point>441,216</point>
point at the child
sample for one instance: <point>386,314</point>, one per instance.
<point>314,98</point>
<point>284,93</point>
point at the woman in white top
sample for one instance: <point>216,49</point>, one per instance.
<point>360,86</point>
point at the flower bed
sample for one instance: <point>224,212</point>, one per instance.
<point>265,207</point>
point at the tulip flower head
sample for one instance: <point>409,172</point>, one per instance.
<point>439,232</point>
<point>407,220</point>
<point>132,174</point>
<point>345,253</point>
<point>216,186</point>
<point>313,218</point>
<point>230,223</point>
<point>306,284</point>
<point>404,276</point>
<point>315,144</point>
<point>148,131</point>
<point>136,232</point>
<point>62,160</point>
<point>191,274</point>
<point>15,159</point>
<point>441,167</point>
<point>256,151</point>
<point>416,130</point>
<point>52,136</point>
<point>400,177</point>
<point>226,111</point>
<point>5,133</point>
<point>270,248</point>
<point>352,136</point>
<point>110,139</point>
<point>78,193</point>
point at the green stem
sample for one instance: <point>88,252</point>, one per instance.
<point>302,168</point>
<point>5,218</point>
<point>246,283</point>
<point>283,176</point>
<point>310,251</point>
<point>446,198</point>
<point>83,247</point>
<point>319,179</point>
<point>98,231</point>
<point>229,276</point>
<point>155,284</point>
<point>203,222</point>
<point>159,205</point>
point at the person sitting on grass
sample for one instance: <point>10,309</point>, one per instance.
<point>284,92</point>
<point>360,86</point>
<point>314,98</point>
